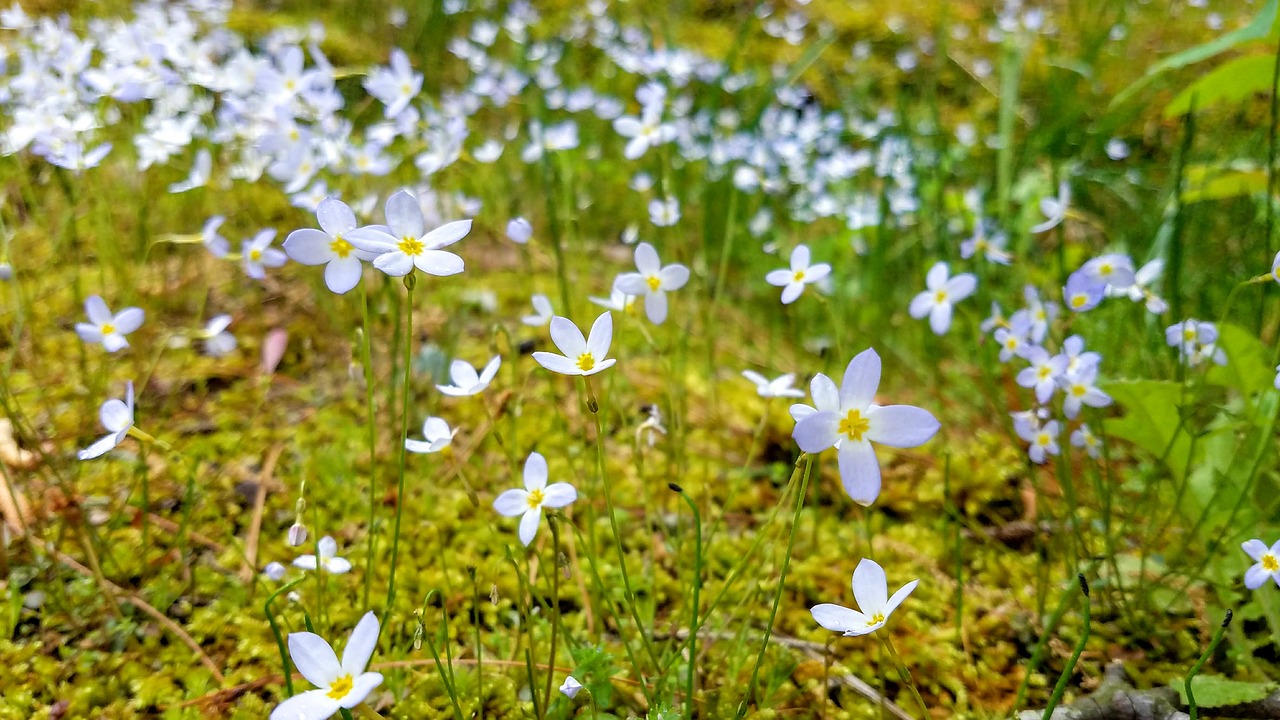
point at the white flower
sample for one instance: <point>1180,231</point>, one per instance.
<point>212,239</point>
<point>1042,375</point>
<point>465,379</point>
<point>653,282</point>
<point>941,294</point>
<point>1043,438</point>
<point>519,230</point>
<point>826,398</point>
<point>274,571</point>
<point>542,311</point>
<point>436,434</point>
<point>857,423</point>
<point>665,212</point>
<point>217,341</point>
<point>329,559</point>
<point>991,248</point>
<point>617,300</point>
<point>579,356</point>
<point>340,685</point>
<point>405,243</point>
<point>871,590</point>
<point>537,494</point>
<point>1054,208</point>
<point>1112,270</point>
<point>801,273</point>
<point>108,329</point>
<point>570,687</point>
<point>1080,390</point>
<point>329,246</point>
<point>1084,437</point>
<point>777,387</point>
<point>258,254</point>
<point>1141,290</point>
<point>1266,563</point>
<point>644,132</point>
<point>117,418</point>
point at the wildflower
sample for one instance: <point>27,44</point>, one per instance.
<point>1054,208</point>
<point>858,422</point>
<point>108,329</point>
<point>570,687</point>
<point>1195,340</point>
<point>941,295</point>
<point>1080,390</point>
<point>1043,438</point>
<point>871,590</point>
<point>664,212</point>
<point>396,85</point>
<point>537,494</point>
<point>209,236</point>
<point>339,685</point>
<point>217,341</point>
<point>991,248</point>
<point>1013,340</point>
<point>1275,268</point>
<point>1077,356</point>
<point>579,356</point>
<point>1039,314</point>
<point>297,532</point>
<point>652,425</point>
<point>995,320</point>
<point>1140,290</point>
<point>404,242</point>
<point>1042,375</point>
<point>329,559</point>
<point>1113,270</point>
<point>801,273</point>
<point>519,230</point>
<point>117,418</point>
<point>1081,292</point>
<point>329,246</point>
<point>542,311</point>
<point>436,437</point>
<point>653,281</point>
<point>274,571</point>
<point>465,380</point>
<point>617,300</point>
<point>1084,437</point>
<point>777,387</point>
<point>644,132</point>
<point>1266,563</point>
<point>826,398</point>
<point>258,254</point>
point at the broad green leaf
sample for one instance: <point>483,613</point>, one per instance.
<point>1216,691</point>
<point>1230,82</point>
<point>1219,182</point>
<point>1248,367</point>
<point>1257,29</point>
<point>1150,420</point>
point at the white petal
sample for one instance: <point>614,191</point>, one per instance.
<point>800,258</point>
<point>306,562</point>
<point>364,638</point>
<point>529,525</point>
<point>902,426</point>
<point>647,261</point>
<point>837,617</point>
<point>755,377</point>
<point>558,495</point>
<point>601,366</point>
<point>512,502</point>
<point>372,239</point>
<point>310,705</point>
<point>601,336</point>
<point>98,449</point>
<point>567,337</point>
<point>632,284</point>
<point>1255,548</point>
<point>817,432</point>
<point>115,416</point>
<point>655,307</point>
<point>673,277</point>
<point>937,277</point>
<point>328,547</point>
<point>940,318</point>
<point>439,263</point>
<point>870,588</point>
<point>825,394</point>
<point>899,596</point>
<point>557,363</point>
<point>791,292</point>
<point>342,274</point>
<point>491,369</point>
<point>314,658</point>
<point>1255,576</point>
<point>859,471</point>
<point>779,278</point>
<point>128,320</point>
<point>395,264</point>
<point>462,374</point>
<point>861,380</point>
<point>447,234</point>
<point>920,305</point>
<point>404,215</point>
<point>335,217</point>
<point>360,689</point>
<point>961,287</point>
<point>97,310</point>
<point>535,472</point>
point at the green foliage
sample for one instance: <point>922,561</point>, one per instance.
<point>1230,82</point>
<point>1215,691</point>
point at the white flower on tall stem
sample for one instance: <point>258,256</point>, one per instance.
<point>801,273</point>
<point>465,379</point>
<point>329,246</point>
<point>217,341</point>
<point>871,590</point>
<point>579,356</point>
<point>645,131</point>
<point>859,422</point>
<point>106,328</point>
<point>339,685</point>
<point>117,418</point>
<point>1043,438</point>
<point>1080,389</point>
<point>542,311</point>
<point>653,282</point>
<point>1266,563</point>
<point>1042,375</point>
<point>436,437</point>
<point>777,387</point>
<point>329,559</point>
<point>537,494</point>
<point>404,243</point>
<point>257,254</point>
<point>212,239</point>
<point>941,295</point>
<point>664,212</point>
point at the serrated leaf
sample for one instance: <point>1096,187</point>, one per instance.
<point>1216,691</point>
<point>1231,82</point>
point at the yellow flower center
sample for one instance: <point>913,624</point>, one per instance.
<point>854,425</point>
<point>340,247</point>
<point>1079,300</point>
<point>940,297</point>
<point>586,361</point>
<point>339,688</point>
<point>410,246</point>
<point>1044,372</point>
<point>108,328</point>
<point>981,246</point>
<point>1269,563</point>
<point>798,276</point>
<point>1188,334</point>
<point>1105,269</point>
<point>875,619</point>
<point>654,283</point>
<point>255,254</point>
<point>1079,390</point>
<point>535,498</point>
<point>1043,439</point>
<point>1011,342</point>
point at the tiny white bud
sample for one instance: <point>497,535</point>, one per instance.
<point>570,687</point>
<point>274,570</point>
<point>297,534</point>
<point>519,230</point>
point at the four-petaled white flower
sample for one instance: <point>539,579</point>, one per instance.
<point>108,329</point>
<point>941,294</point>
<point>801,273</point>
<point>329,559</point>
<point>871,590</point>
<point>653,282</point>
<point>329,246</point>
<point>339,685</point>
<point>436,437</point>
<point>1054,208</point>
<point>465,379</point>
<point>645,131</point>
<point>117,418</point>
<point>1080,390</point>
<point>542,311</point>
<point>1043,439</point>
<point>1266,563</point>
<point>777,387</point>
<point>217,341</point>
<point>537,494</point>
<point>257,254</point>
<point>858,422</point>
<point>404,243</point>
<point>579,356</point>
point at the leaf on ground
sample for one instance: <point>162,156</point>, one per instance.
<point>1216,691</point>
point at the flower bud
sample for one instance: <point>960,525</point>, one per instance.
<point>274,570</point>
<point>297,534</point>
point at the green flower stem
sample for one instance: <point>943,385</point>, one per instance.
<point>366,359</point>
<point>446,672</point>
<point>1061,687</point>
<point>904,674</point>
<point>555,605</point>
<point>275,630</point>
<point>410,281</point>
<point>691,683</point>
